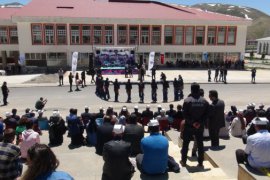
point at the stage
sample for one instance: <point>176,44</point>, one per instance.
<point>116,70</point>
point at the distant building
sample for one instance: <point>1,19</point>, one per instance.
<point>47,32</point>
<point>251,45</point>
<point>263,46</point>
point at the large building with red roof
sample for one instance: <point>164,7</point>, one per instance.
<point>47,32</point>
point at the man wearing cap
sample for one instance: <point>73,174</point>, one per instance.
<point>57,129</point>
<point>147,115</point>
<point>137,113</point>
<point>154,159</point>
<point>216,119</point>
<point>116,157</point>
<point>195,110</point>
<point>250,112</point>
<point>256,153</point>
<point>134,134</point>
<point>104,134</point>
<point>238,126</point>
<point>157,113</point>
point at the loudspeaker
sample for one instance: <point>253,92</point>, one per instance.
<point>91,61</point>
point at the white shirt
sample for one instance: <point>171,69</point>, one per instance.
<point>258,149</point>
<point>236,127</point>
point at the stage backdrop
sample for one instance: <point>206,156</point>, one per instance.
<point>114,57</point>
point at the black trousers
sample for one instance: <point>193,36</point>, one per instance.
<point>116,96</point>
<point>61,80</point>
<point>5,96</point>
<point>70,86</point>
<point>139,159</point>
<point>188,132</point>
<point>241,156</point>
<point>214,136</point>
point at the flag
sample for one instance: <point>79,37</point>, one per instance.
<point>151,61</point>
<point>74,62</point>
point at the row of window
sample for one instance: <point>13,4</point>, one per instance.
<point>8,35</point>
<point>51,34</point>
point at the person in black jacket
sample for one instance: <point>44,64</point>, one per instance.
<point>147,115</point>
<point>165,85</point>
<point>57,129</point>
<point>134,134</point>
<point>128,90</point>
<point>70,79</point>
<point>216,119</point>
<point>104,134</point>
<point>83,79</point>
<point>141,91</point>
<point>106,89</point>
<point>154,88</point>
<point>116,157</point>
<point>86,116</point>
<point>195,110</point>
<point>116,87</point>
<point>5,92</point>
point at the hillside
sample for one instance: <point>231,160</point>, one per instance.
<point>261,22</point>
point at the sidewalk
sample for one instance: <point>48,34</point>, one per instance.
<point>189,76</point>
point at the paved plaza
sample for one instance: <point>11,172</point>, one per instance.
<point>82,162</point>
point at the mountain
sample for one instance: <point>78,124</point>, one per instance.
<point>261,22</point>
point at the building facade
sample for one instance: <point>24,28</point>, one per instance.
<point>263,46</point>
<point>48,36</point>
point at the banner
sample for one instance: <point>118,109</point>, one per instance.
<point>162,58</point>
<point>205,56</point>
<point>74,62</point>
<point>151,61</point>
<point>21,59</point>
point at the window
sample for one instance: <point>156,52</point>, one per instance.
<point>13,35</point>
<point>133,35</point>
<point>122,34</point>
<point>3,35</point>
<point>221,35</point>
<point>189,35</point>
<point>211,35</point>
<point>179,35</point>
<point>49,34</point>
<point>200,35</point>
<point>36,34</point>
<point>168,33</point>
<point>145,35</point>
<point>97,34</point>
<point>86,34</point>
<point>108,34</point>
<point>61,34</point>
<point>75,34</point>
<point>156,33</point>
<point>231,39</point>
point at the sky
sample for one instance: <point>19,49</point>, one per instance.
<point>262,5</point>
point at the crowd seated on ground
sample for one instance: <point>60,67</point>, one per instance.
<point>99,128</point>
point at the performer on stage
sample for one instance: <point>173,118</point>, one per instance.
<point>154,91</point>
<point>141,91</point>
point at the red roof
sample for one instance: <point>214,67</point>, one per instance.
<point>6,13</point>
<point>127,10</point>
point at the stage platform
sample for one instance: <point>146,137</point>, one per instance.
<point>116,70</point>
